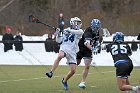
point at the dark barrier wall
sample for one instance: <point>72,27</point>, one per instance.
<point>138,38</point>
<point>51,46</point>
<point>134,46</point>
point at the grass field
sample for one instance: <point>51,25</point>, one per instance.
<point>32,79</point>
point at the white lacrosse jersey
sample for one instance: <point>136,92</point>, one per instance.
<point>69,43</point>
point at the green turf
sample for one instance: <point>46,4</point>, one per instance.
<point>32,79</point>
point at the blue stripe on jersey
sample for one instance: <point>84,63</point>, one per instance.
<point>120,62</point>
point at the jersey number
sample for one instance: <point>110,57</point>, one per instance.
<point>69,38</point>
<point>115,49</point>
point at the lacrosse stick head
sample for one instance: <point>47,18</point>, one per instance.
<point>33,19</point>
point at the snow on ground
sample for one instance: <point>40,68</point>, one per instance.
<point>35,54</point>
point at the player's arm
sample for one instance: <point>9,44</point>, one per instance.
<point>78,32</point>
<point>88,37</point>
<point>59,38</point>
<point>87,43</point>
<point>100,36</point>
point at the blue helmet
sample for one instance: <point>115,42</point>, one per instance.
<point>118,37</point>
<point>95,24</point>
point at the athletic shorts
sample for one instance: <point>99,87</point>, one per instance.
<point>123,70</point>
<point>84,55</point>
<point>70,56</point>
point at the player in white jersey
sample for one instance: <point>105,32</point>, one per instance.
<point>69,47</point>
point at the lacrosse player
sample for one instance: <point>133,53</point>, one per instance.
<point>88,44</point>
<point>120,52</point>
<point>68,48</point>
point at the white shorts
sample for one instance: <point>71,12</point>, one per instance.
<point>70,56</point>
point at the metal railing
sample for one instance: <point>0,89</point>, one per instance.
<point>13,41</point>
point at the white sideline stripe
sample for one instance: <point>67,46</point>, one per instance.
<point>93,86</point>
<point>47,77</point>
<point>22,80</point>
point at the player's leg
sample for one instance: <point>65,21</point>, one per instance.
<point>56,63</point>
<point>122,84</point>
<point>71,72</point>
<point>78,61</point>
<point>128,83</point>
<point>122,72</point>
<point>69,75</point>
<point>87,56</point>
<point>57,60</point>
<point>87,63</point>
<point>79,57</point>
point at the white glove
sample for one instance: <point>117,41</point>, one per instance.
<point>57,32</point>
<point>57,29</point>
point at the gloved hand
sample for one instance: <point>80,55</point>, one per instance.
<point>66,31</point>
<point>94,50</point>
<point>98,45</point>
<point>57,32</point>
<point>57,29</point>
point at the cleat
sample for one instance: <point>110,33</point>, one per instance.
<point>65,85</point>
<point>49,74</point>
<point>82,85</point>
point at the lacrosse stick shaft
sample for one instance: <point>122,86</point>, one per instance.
<point>34,19</point>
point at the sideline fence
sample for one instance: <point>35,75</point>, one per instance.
<point>13,41</point>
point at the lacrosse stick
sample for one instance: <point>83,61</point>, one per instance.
<point>34,19</point>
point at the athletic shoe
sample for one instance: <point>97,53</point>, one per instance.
<point>82,85</point>
<point>138,90</point>
<point>49,74</point>
<point>65,85</point>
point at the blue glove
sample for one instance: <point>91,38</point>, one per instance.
<point>66,31</point>
<point>94,50</point>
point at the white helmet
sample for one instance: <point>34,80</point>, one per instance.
<point>71,21</point>
<point>77,19</point>
<point>75,23</point>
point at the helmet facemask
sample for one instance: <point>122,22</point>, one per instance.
<point>95,29</point>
